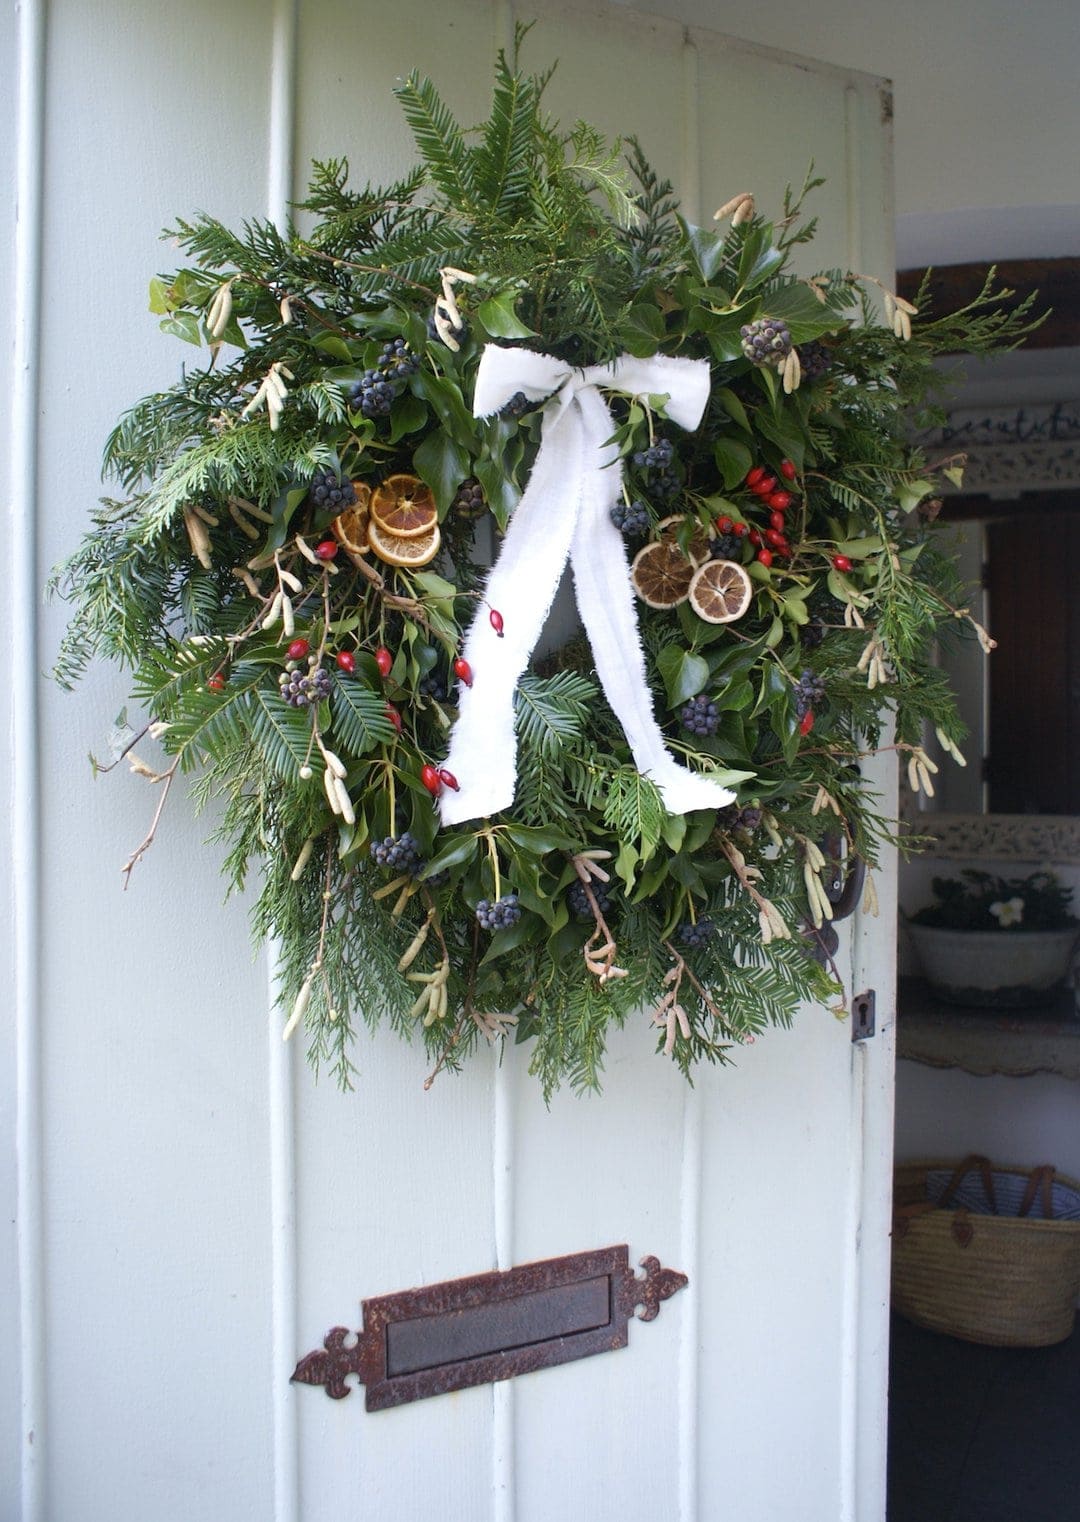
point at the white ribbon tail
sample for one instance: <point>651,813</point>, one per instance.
<point>605,600</point>
<point>522,586</point>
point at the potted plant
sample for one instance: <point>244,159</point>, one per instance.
<point>990,940</point>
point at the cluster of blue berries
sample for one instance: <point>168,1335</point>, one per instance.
<point>736,818</point>
<point>303,689</point>
<point>399,853</point>
<point>501,914</point>
<point>658,463</point>
<point>814,360</point>
<point>630,518</point>
<point>397,360</point>
<point>578,903</point>
<point>433,686</point>
<point>330,494</point>
<point>373,394</point>
<point>766,341</point>
<point>695,933</point>
<point>700,716</point>
<point>725,547</point>
<point>469,501</point>
<point>809,689</point>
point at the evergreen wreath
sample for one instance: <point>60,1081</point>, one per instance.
<point>301,542</point>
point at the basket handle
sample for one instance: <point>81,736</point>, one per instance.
<point>961,1171</point>
<point>1040,1178</point>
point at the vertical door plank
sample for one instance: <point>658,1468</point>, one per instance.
<point>154,1105</point>
<point>395,1185</point>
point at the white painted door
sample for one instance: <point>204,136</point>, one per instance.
<point>190,1211</point>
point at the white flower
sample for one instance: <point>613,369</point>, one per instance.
<point>1008,912</point>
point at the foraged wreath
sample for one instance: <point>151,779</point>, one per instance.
<point>339,540</point>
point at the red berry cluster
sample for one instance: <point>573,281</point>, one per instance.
<point>773,540</point>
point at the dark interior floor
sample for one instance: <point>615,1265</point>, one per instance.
<point>981,1434</point>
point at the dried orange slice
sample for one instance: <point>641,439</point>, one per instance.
<point>720,591</point>
<point>350,527</point>
<point>403,506</point>
<point>413,552</point>
<point>697,547</point>
<point>661,574</point>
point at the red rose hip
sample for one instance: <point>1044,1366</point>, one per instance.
<point>463,671</point>
<point>841,563</point>
<point>394,717</point>
<point>765,556</point>
<point>496,621</point>
<point>384,660</point>
<point>431,780</point>
<point>327,549</point>
<point>779,500</point>
<point>298,649</point>
<point>448,779</point>
<point>787,470</point>
<point>346,661</point>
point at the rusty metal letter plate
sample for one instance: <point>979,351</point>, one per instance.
<point>489,1326</point>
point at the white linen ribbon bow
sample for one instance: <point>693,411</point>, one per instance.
<point>565,514</point>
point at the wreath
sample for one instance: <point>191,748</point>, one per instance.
<point>336,544</point>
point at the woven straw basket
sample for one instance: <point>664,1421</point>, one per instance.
<point>987,1254</point>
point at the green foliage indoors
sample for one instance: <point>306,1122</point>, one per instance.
<point>982,901</point>
<point>200,573</point>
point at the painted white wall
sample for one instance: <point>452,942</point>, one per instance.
<point>203,1211</point>
<point>987,113</point>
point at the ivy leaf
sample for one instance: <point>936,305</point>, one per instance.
<point>453,853</point>
<point>733,407</point>
<point>626,864</point>
<point>641,330</point>
<point>336,347</point>
<point>807,318</point>
<point>183,325</point>
<point>443,464</point>
<point>911,493</point>
<point>509,939</point>
<point>498,318</point>
<point>539,840</point>
<point>684,674</point>
<point>407,416</point>
<point>706,249</point>
<point>733,460</point>
<point>500,493</point>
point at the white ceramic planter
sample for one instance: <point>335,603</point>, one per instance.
<point>994,967</point>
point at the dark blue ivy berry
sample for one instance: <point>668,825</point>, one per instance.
<point>631,518</point>
<point>809,690</point>
<point>400,853</point>
<point>700,716</point>
<point>658,463</point>
<point>501,914</point>
<point>725,547</point>
<point>577,900</point>
<point>330,493</point>
<point>694,934</point>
